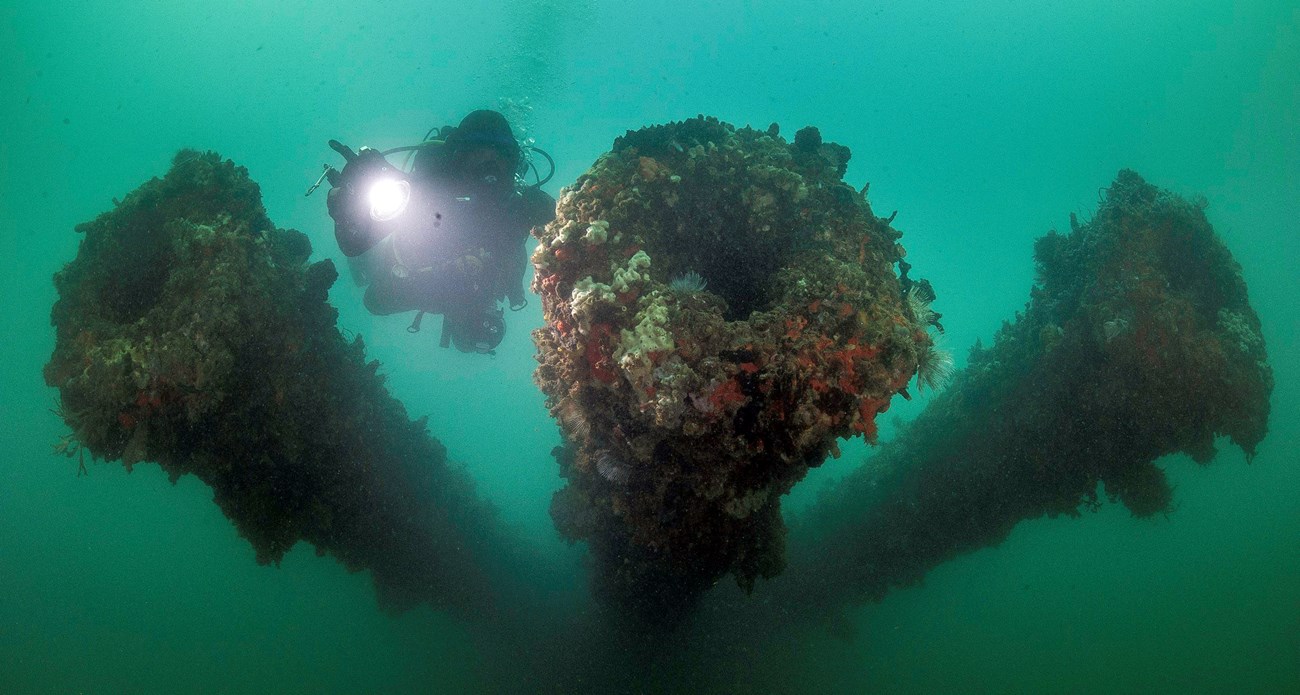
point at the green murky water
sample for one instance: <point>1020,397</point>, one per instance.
<point>983,126</point>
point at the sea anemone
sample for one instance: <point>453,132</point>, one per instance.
<point>933,367</point>
<point>933,364</point>
<point>612,468</point>
<point>574,420</point>
<point>920,306</point>
<point>689,282</point>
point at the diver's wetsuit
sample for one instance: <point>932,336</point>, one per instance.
<point>458,248</point>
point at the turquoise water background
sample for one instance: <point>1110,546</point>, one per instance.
<point>984,124</point>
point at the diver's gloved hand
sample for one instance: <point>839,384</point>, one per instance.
<point>367,162</point>
<point>356,228</point>
<point>345,200</point>
<point>339,203</point>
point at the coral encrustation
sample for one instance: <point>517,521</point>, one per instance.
<point>688,412</point>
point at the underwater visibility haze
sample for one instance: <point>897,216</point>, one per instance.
<point>904,347</point>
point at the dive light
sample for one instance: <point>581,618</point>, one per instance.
<point>387,192</point>
<point>388,197</point>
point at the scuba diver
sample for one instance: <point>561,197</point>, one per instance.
<point>448,236</point>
